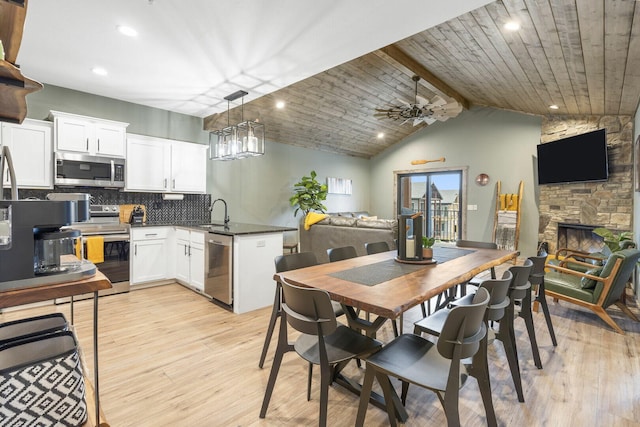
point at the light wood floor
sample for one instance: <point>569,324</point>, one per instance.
<point>169,357</point>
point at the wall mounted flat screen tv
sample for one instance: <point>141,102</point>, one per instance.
<point>577,158</point>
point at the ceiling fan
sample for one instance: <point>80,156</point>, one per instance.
<point>421,110</point>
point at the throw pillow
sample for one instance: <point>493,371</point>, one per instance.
<point>312,218</point>
<point>368,218</point>
<point>343,221</point>
<point>586,283</point>
<point>385,224</point>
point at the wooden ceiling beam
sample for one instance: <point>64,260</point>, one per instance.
<point>400,56</point>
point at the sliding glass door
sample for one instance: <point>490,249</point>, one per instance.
<point>438,196</point>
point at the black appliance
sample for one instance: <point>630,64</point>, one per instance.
<point>32,243</point>
<point>137,215</point>
<point>81,203</point>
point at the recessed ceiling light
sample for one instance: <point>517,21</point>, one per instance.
<point>127,31</point>
<point>380,135</point>
<point>99,71</point>
<point>512,26</point>
<point>280,105</point>
<point>554,107</point>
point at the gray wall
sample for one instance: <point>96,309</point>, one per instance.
<point>142,120</point>
<point>499,143</point>
<point>258,189</point>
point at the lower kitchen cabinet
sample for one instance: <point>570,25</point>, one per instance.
<point>150,254</point>
<point>189,253</point>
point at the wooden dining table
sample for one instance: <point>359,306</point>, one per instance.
<point>382,285</point>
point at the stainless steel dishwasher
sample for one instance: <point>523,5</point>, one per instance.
<point>218,281</point>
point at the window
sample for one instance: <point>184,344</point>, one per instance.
<point>438,195</point>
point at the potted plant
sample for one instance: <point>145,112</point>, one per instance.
<point>615,242</point>
<point>427,250</point>
<point>309,195</point>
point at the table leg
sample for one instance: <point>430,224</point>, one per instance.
<point>95,355</point>
<point>358,324</point>
<point>370,329</point>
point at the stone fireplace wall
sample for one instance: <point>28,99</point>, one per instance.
<point>605,204</point>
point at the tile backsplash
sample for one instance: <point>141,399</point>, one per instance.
<point>194,207</point>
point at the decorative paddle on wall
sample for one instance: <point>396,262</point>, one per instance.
<point>421,110</point>
<point>422,162</point>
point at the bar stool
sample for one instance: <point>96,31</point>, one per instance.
<point>291,247</point>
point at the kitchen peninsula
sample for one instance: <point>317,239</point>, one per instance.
<point>231,263</point>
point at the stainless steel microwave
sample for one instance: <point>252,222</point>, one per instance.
<point>83,170</point>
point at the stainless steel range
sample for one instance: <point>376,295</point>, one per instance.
<point>104,223</point>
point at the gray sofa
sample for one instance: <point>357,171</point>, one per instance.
<point>347,229</point>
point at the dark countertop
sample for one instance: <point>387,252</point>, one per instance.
<point>232,229</point>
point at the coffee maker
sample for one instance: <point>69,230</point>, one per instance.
<point>32,244</point>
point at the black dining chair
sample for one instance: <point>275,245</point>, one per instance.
<point>536,278</point>
<point>498,302</point>
<point>451,294</point>
<point>342,253</point>
<point>288,262</point>
<point>323,341</point>
<point>376,247</point>
<point>437,367</point>
<point>520,293</point>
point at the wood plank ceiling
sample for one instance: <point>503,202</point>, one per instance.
<point>581,55</point>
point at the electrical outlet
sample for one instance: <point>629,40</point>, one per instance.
<point>472,207</point>
<point>260,244</point>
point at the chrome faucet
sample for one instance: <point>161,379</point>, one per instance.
<point>226,217</point>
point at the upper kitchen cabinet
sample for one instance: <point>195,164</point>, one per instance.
<point>31,150</point>
<point>165,166</point>
<point>89,135</point>
<point>188,167</point>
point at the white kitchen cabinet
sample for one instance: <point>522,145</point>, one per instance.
<point>89,135</point>
<point>188,167</point>
<point>253,270</point>
<point>148,160</point>
<point>150,252</point>
<point>189,254</point>
<point>32,153</point>
<point>165,166</point>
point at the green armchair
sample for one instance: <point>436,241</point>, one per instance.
<point>598,287</point>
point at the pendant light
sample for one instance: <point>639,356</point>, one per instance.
<point>246,139</point>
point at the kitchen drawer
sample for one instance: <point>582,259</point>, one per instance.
<point>197,237</point>
<point>182,234</point>
<point>149,233</point>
